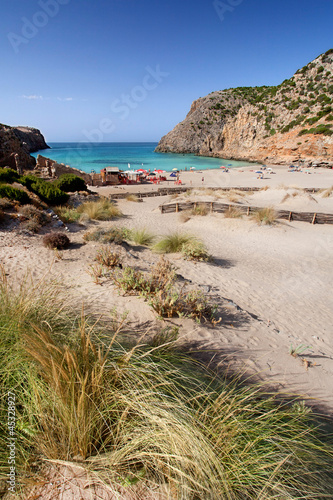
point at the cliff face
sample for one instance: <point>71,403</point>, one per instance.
<point>31,138</point>
<point>16,144</point>
<point>282,124</point>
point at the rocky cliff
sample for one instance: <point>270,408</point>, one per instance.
<point>31,138</point>
<point>287,123</point>
<point>16,144</point>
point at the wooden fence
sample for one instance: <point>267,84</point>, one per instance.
<point>165,191</point>
<point>312,217</point>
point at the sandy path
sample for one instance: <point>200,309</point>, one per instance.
<point>272,285</point>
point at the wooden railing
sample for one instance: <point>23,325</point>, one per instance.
<point>312,217</point>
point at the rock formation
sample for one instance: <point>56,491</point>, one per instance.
<point>16,144</point>
<point>50,168</point>
<point>291,122</point>
<point>31,138</point>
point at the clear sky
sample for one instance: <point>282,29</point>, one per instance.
<point>128,70</point>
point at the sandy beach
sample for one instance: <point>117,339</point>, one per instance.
<point>272,283</point>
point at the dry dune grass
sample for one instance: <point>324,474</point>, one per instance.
<point>233,213</point>
<point>265,216</point>
<point>326,193</point>
<point>141,416</point>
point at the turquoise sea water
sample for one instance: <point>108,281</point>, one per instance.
<point>88,157</point>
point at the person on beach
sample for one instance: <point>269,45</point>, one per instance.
<point>202,180</point>
<point>103,174</point>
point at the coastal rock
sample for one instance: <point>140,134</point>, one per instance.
<point>31,138</point>
<point>13,153</point>
<point>289,123</point>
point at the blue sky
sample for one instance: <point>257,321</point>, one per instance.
<point>128,70</point>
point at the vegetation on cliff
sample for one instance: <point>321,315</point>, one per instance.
<point>240,122</point>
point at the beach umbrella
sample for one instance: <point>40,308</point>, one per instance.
<point>192,168</point>
<point>222,167</point>
<point>173,175</point>
<point>259,172</point>
<point>151,173</point>
<point>175,169</point>
<point>142,170</point>
<point>159,171</point>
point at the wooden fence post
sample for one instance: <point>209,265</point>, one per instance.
<point>290,216</point>
<point>248,211</point>
<point>314,218</point>
<point>177,207</point>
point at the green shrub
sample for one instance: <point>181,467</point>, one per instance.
<point>15,194</point>
<point>70,183</point>
<point>8,175</point>
<point>45,190</point>
<point>67,214</point>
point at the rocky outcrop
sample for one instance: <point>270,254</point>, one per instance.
<point>50,168</point>
<point>288,123</point>
<point>31,138</point>
<point>16,144</point>
<point>12,152</point>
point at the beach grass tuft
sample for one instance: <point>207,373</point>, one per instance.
<point>327,192</point>
<point>233,213</point>
<point>172,243</point>
<point>144,415</point>
<point>67,214</point>
<point>102,209</point>
<point>142,237</point>
<point>264,216</point>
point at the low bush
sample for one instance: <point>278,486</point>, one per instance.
<point>70,183</point>
<point>8,175</point>
<point>60,241</point>
<point>67,214</point>
<point>14,194</point>
<point>170,302</point>
<point>195,250</point>
<point>106,257</point>
<point>31,225</point>
<point>32,213</point>
<point>102,209</point>
<point>45,190</point>
<point>115,235</point>
<point>5,203</point>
